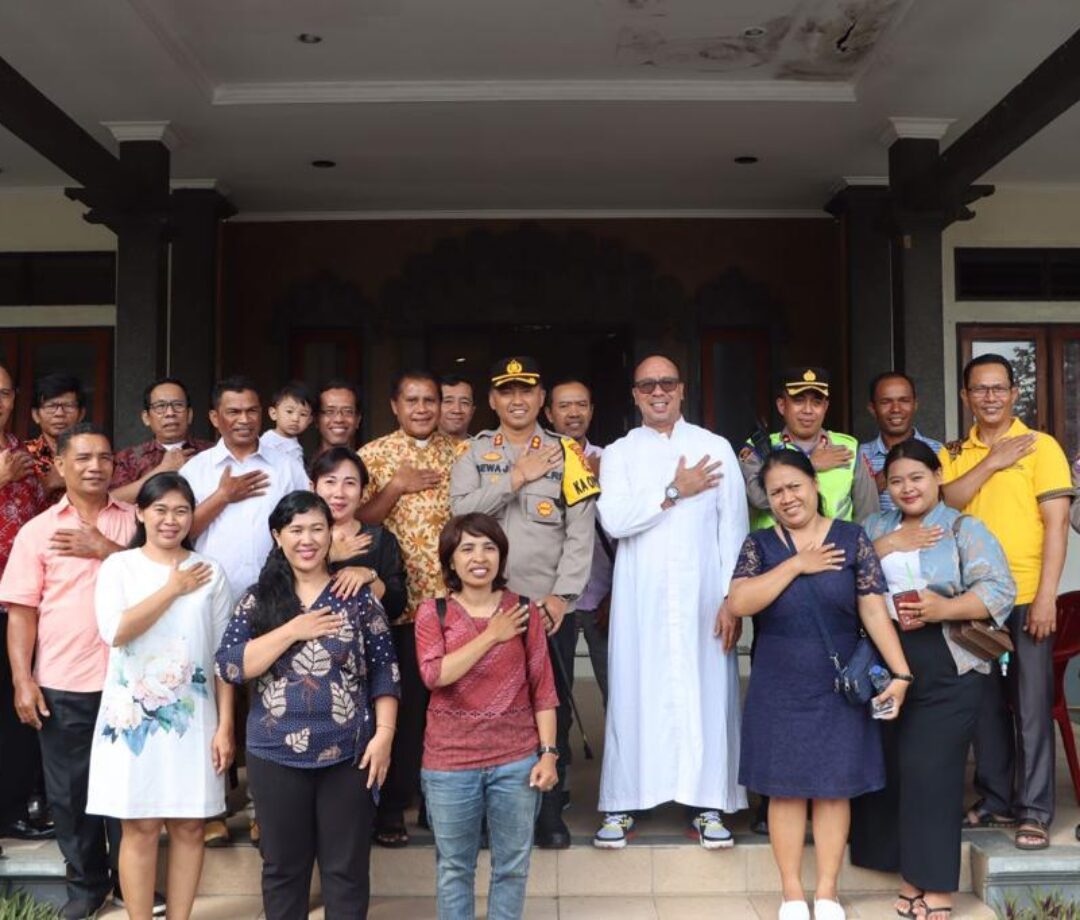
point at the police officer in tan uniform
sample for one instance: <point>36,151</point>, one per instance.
<point>515,473</point>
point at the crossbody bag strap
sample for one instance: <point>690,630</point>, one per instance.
<point>834,655</point>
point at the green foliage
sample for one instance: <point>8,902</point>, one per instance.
<point>20,906</point>
<point>1051,905</point>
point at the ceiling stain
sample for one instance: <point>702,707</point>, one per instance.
<point>650,47</point>
<point>834,47</point>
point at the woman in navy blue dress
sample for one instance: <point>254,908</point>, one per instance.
<point>801,740</point>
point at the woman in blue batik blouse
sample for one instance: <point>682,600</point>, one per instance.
<point>322,717</point>
<point>955,570</point>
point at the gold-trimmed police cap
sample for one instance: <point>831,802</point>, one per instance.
<point>805,379</point>
<point>515,369</point>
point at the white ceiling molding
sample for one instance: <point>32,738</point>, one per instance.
<point>254,217</point>
<point>933,129</point>
<point>174,46</point>
<point>213,185</point>
<point>379,91</point>
<point>143,131</point>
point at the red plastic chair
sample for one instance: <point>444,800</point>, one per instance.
<point>1066,647</point>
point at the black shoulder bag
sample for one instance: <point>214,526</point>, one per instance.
<point>853,679</point>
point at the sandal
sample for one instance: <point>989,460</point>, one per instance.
<point>1034,831</point>
<point>912,905</point>
<point>985,820</point>
<point>927,912</point>
<point>393,836</point>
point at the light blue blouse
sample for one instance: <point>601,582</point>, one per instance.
<point>967,558</point>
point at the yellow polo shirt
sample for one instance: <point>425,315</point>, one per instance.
<point>1008,502</point>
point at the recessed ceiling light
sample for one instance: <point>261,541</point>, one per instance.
<point>753,32</point>
<point>459,360</point>
<point>308,38</point>
<point>746,160</point>
<point>324,164</point>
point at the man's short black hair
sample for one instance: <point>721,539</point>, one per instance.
<point>237,383</point>
<point>340,383</point>
<point>414,373</point>
<point>161,381</point>
<point>52,385</point>
<point>65,436</point>
<point>890,375</point>
<point>454,380</point>
<point>295,390</point>
<point>564,381</point>
<point>989,358</point>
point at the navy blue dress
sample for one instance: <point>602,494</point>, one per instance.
<point>799,738</point>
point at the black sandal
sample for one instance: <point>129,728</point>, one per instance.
<point>929,911</point>
<point>985,820</point>
<point>392,836</point>
<point>912,905</point>
<point>1034,830</point>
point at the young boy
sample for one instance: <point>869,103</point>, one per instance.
<point>291,410</point>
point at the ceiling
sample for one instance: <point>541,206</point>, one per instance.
<point>534,106</point>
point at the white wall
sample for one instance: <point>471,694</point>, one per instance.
<point>1014,216</point>
<point>43,220</point>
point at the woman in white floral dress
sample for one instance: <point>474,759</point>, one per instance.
<point>164,733</point>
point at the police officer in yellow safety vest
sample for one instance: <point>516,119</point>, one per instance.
<point>541,490</point>
<point>845,482</point>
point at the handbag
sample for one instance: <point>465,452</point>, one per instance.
<point>855,679</point>
<point>978,637</point>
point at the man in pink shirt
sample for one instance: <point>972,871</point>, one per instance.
<point>48,588</point>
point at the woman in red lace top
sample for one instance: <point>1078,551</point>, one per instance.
<point>489,747</point>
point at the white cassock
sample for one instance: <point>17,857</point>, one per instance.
<point>672,729</point>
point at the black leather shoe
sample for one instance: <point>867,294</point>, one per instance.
<point>24,830</point>
<point>81,909</point>
<point>551,831</point>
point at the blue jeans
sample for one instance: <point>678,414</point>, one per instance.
<point>457,800</point>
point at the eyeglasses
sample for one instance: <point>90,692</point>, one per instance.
<point>58,408</point>
<point>649,384</point>
<point>980,391</point>
<point>161,407</point>
<point>339,412</point>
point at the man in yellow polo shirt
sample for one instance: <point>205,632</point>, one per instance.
<point>1018,482</point>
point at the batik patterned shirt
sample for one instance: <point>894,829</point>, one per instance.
<point>417,518</point>
<point>132,463</point>
<point>19,502</point>
<point>44,458</point>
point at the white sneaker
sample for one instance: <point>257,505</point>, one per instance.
<point>711,831</point>
<point>794,910</point>
<point>614,831</point>
<point>825,909</point>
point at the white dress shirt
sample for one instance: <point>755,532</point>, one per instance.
<point>239,538</point>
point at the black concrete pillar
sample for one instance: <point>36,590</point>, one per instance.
<point>863,211</point>
<point>193,320</point>
<point>918,304</point>
<point>142,267</point>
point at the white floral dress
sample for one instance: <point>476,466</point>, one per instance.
<point>151,752</point>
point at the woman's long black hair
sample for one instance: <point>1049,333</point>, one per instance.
<point>276,601</point>
<point>155,488</point>
<point>785,456</point>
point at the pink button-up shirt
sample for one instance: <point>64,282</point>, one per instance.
<point>70,654</point>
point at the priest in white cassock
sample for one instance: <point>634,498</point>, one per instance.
<point>672,495</point>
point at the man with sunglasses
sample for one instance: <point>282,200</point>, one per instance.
<point>1018,482</point>
<point>672,496</point>
<point>517,474</point>
<point>167,413</point>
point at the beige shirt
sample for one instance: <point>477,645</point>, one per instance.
<point>551,544</point>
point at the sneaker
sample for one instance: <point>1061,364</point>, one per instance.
<point>827,909</point>
<point>711,831</point>
<point>159,901</point>
<point>614,831</point>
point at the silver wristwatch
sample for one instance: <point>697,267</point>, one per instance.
<point>671,493</point>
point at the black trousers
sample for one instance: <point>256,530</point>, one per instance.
<point>1014,753</point>
<point>318,813</point>
<point>912,826</point>
<point>403,781</point>
<point>20,755</point>
<point>561,647</point>
<point>597,642</point>
<point>66,736</point>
